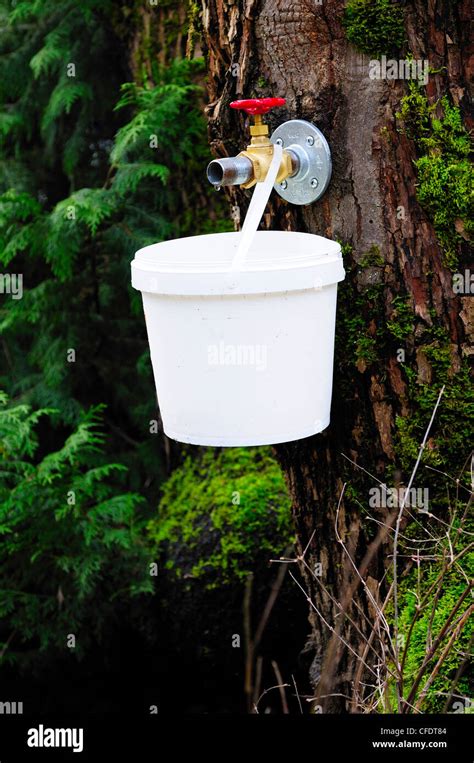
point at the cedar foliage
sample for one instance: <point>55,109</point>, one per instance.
<point>71,541</point>
<point>91,169</point>
<point>115,168</point>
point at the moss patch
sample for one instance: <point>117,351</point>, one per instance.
<point>402,323</point>
<point>410,590</point>
<point>375,27</point>
<point>223,514</point>
<point>360,328</point>
<point>445,174</point>
<point>365,336</point>
<point>454,423</point>
<point>372,258</point>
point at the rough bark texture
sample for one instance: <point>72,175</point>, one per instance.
<point>299,50</point>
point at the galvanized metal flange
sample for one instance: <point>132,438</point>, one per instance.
<point>314,160</point>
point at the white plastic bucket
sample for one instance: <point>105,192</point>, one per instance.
<point>241,357</point>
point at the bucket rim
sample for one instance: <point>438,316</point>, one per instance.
<point>277,261</point>
<point>163,256</point>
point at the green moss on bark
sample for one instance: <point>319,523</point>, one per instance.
<point>223,514</point>
<point>452,429</point>
<point>402,322</point>
<point>445,174</point>
<point>375,27</point>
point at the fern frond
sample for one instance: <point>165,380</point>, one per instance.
<point>10,123</point>
<point>89,205</point>
<point>54,51</point>
<point>63,98</point>
<point>129,176</point>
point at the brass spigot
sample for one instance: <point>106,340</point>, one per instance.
<point>251,165</point>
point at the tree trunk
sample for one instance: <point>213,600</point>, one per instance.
<point>299,50</point>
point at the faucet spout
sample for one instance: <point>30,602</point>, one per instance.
<point>233,170</point>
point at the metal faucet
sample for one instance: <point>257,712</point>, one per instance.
<point>305,167</point>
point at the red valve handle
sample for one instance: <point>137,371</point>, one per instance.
<point>257,105</point>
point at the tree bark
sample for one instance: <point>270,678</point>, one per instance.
<point>299,50</point>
